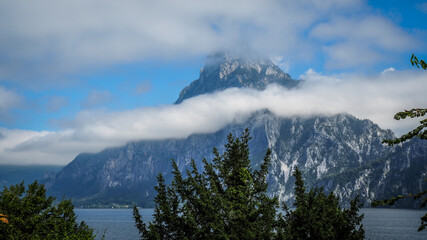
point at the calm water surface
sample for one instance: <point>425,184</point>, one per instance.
<point>380,224</point>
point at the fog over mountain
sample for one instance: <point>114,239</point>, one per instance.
<point>222,102</point>
<point>314,124</point>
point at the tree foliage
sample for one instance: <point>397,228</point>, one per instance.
<point>420,132</point>
<point>418,63</point>
<point>30,214</point>
<point>393,200</point>
<point>3,218</point>
<point>319,216</point>
<point>229,200</point>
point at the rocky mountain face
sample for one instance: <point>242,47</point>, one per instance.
<point>245,70</point>
<point>340,152</point>
<point>401,172</point>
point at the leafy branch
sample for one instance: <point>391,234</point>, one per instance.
<point>420,131</point>
<point>414,61</point>
<point>393,200</point>
<point>3,218</point>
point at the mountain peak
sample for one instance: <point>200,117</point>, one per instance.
<point>228,62</point>
<point>242,69</point>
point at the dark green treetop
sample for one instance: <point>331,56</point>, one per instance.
<point>227,201</point>
<point>319,216</point>
<point>33,215</point>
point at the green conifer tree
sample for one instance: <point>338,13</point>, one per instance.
<point>33,215</point>
<point>227,201</point>
<point>319,216</point>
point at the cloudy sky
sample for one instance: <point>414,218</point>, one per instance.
<point>79,76</point>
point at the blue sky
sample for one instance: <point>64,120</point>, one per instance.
<point>62,61</point>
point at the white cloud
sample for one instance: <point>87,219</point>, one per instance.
<point>144,87</point>
<point>373,30</point>
<point>388,70</point>
<point>56,103</point>
<point>351,54</point>
<point>362,40</point>
<point>53,37</point>
<point>8,100</point>
<point>96,99</point>
<point>15,137</point>
<point>281,63</point>
<point>312,76</point>
<point>376,98</point>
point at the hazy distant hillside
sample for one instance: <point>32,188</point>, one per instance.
<point>12,174</point>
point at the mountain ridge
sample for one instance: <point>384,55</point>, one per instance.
<point>127,174</point>
<point>321,146</point>
<point>224,70</point>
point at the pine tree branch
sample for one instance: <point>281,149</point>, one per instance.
<point>420,131</point>
<point>418,63</point>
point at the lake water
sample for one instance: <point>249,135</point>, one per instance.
<point>379,224</point>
